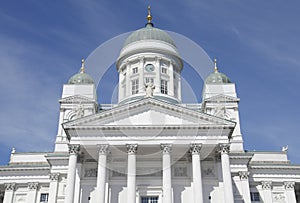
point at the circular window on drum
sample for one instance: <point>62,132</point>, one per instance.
<point>149,67</point>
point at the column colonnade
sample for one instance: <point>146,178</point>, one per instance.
<point>195,150</point>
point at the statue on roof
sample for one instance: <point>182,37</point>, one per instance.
<point>149,88</point>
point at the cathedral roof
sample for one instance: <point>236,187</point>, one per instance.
<point>81,77</point>
<point>149,32</point>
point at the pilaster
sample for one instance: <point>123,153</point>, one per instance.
<point>53,187</point>
<point>290,192</point>
<point>9,192</point>
<point>244,178</point>
<point>32,192</point>
<point>267,191</point>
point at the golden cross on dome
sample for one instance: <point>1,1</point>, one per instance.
<point>215,62</point>
<point>82,66</point>
<point>149,17</point>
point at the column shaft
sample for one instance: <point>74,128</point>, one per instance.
<point>167,183</point>
<point>101,175</point>
<point>73,150</point>
<point>197,177</point>
<point>290,192</point>
<point>9,192</point>
<point>245,186</point>
<point>227,180</point>
<point>53,187</point>
<point>31,195</point>
<point>157,77</point>
<point>131,173</point>
<point>171,79</point>
<point>267,191</point>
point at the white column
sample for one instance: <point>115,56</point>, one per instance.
<point>127,79</point>
<point>32,192</point>
<point>77,188</point>
<point>226,173</point>
<point>197,177</point>
<point>53,187</point>
<point>101,175</point>
<point>245,186</point>
<point>9,192</point>
<point>166,164</point>
<point>171,74</point>
<point>179,86</point>
<point>141,74</point>
<point>131,173</point>
<point>267,191</point>
<point>290,192</point>
<point>73,151</point>
<point>157,76</point>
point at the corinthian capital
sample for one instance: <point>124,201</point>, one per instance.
<point>289,185</point>
<point>33,186</point>
<point>244,175</point>
<point>10,186</point>
<point>166,148</point>
<point>266,185</point>
<point>224,148</point>
<point>74,148</point>
<point>132,148</point>
<point>103,149</point>
<point>195,148</point>
<point>54,176</point>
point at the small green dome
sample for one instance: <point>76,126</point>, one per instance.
<point>217,78</point>
<point>149,33</point>
<point>81,78</point>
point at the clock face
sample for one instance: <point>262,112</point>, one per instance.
<point>149,67</point>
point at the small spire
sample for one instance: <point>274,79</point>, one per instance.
<point>215,62</point>
<point>149,17</point>
<point>82,66</point>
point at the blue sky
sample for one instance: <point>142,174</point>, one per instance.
<point>256,42</point>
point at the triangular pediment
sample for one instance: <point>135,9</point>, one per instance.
<point>222,98</point>
<point>149,112</point>
<point>76,99</point>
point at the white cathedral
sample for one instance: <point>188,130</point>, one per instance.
<point>149,147</point>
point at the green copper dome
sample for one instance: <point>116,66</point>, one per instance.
<point>81,77</point>
<point>149,33</point>
<point>216,77</point>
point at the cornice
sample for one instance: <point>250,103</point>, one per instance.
<point>25,168</point>
<point>283,166</point>
<point>147,127</point>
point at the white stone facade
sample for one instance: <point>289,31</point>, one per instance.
<point>149,147</point>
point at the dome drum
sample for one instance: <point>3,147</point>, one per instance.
<point>149,46</point>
